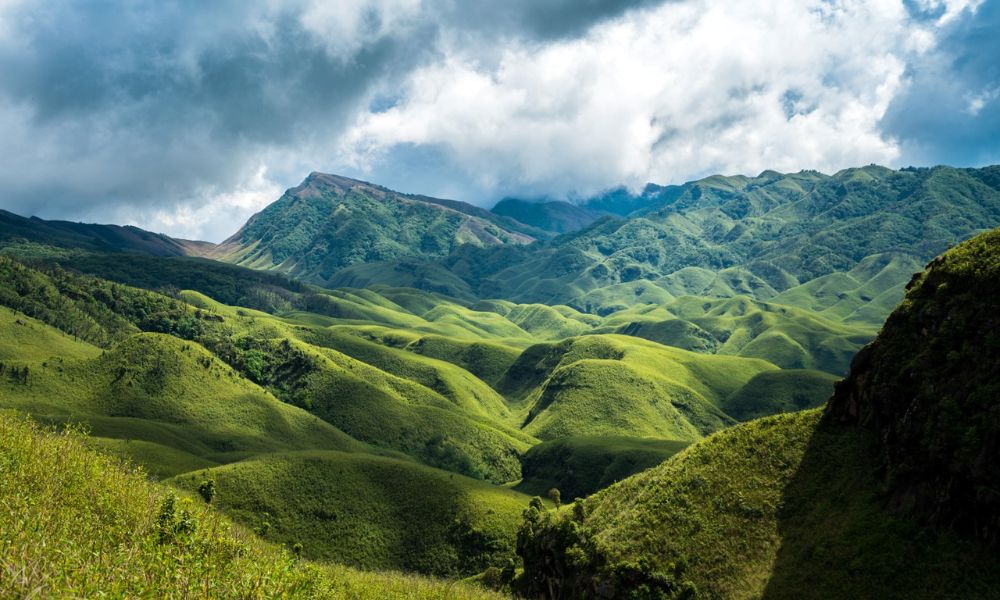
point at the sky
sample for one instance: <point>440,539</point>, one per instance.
<point>186,117</point>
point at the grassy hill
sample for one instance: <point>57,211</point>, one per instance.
<point>617,385</point>
<point>77,523</point>
<point>937,361</point>
<point>15,229</point>
<point>370,512</point>
<point>889,492</point>
<point>784,507</point>
<point>790,337</point>
<point>580,466</point>
<point>168,402</point>
<point>774,392</point>
<point>777,232</point>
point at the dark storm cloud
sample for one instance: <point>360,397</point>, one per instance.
<point>950,112</point>
<point>540,19</point>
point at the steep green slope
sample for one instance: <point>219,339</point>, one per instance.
<point>937,361</point>
<point>888,493</point>
<point>79,524</point>
<point>371,512</point>
<point>784,507</point>
<point>580,466</point>
<point>330,222</point>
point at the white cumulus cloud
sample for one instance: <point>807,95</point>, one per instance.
<point>662,95</point>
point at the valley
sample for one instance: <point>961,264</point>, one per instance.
<point>627,392</point>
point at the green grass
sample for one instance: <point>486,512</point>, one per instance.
<point>158,389</point>
<point>580,466</point>
<point>775,392</point>
<point>620,385</point>
<point>329,223</point>
<point>784,507</point>
<point>371,512</point>
<point>77,523</point>
<point>788,336</point>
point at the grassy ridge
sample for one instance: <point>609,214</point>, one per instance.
<point>80,524</point>
<point>372,512</point>
<point>784,507</point>
<point>156,389</point>
<point>790,337</point>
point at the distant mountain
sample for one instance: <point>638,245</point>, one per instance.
<point>105,238</point>
<point>331,222</point>
<point>554,216</point>
<point>759,235</point>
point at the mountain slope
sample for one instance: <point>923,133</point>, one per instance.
<point>106,238</point>
<point>781,231</point>
<point>371,512</point>
<point>937,361</point>
<point>889,493</point>
<point>554,216</point>
<point>330,222</point>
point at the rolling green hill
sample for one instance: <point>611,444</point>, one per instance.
<point>790,337</point>
<point>774,392</point>
<point>888,493</point>
<point>780,230</point>
<point>580,466</point>
<point>81,524</point>
<point>370,512</point>
<point>617,385</point>
<point>169,401</point>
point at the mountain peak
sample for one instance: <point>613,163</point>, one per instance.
<point>330,222</point>
<point>314,184</point>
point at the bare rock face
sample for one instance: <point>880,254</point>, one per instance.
<point>929,387</point>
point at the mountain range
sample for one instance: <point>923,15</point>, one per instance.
<point>382,381</point>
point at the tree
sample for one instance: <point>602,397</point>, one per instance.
<point>555,497</point>
<point>207,490</point>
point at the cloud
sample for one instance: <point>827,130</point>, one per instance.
<point>949,111</point>
<point>188,117</point>
<point>666,94</point>
<point>149,110</point>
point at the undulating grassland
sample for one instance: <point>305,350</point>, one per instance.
<point>370,512</point>
<point>76,523</point>
<point>620,385</point>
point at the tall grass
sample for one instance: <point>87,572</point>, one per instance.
<point>77,523</point>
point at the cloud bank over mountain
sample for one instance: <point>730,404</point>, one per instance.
<point>187,118</point>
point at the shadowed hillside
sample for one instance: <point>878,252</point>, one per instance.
<point>889,493</point>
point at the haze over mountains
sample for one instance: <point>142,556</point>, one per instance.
<point>382,380</point>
